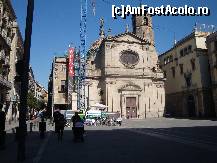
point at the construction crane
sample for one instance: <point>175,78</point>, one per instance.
<point>82,58</point>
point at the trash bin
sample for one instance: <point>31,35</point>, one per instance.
<point>42,129</point>
<point>19,132</point>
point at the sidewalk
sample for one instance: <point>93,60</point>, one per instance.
<point>33,145</point>
<point>9,126</point>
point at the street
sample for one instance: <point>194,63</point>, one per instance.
<point>151,140</point>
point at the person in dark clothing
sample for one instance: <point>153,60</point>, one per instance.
<point>2,127</point>
<point>56,116</point>
<point>76,118</point>
<point>2,119</point>
<point>61,121</point>
<point>78,127</point>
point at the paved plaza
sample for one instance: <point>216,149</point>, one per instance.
<point>150,140</point>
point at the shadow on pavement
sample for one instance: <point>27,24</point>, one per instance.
<point>33,143</point>
<point>132,145</point>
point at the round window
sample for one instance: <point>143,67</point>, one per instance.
<point>129,58</point>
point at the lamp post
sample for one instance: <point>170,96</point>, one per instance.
<point>24,84</point>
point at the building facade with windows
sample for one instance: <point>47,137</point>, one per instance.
<point>188,84</point>
<point>7,47</point>
<point>40,92</point>
<point>58,83</point>
<point>211,42</point>
<point>16,56</point>
<point>122,72</point>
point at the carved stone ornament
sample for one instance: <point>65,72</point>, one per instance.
<point>130,87</point>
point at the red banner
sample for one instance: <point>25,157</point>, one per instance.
<point>71,62</point>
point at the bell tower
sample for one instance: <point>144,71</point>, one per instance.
<point>142,27</point>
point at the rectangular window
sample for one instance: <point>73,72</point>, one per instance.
<point>193,64</point>
<point>165,61</point>
<point>181,68</point>
<point>165,74</point>
<point>161,98</point>
<point>149,104</point>
<point>62,87</point>
<point>189,49</point>
<point>168,59</point>
<point>185,51</point>
<point>173,71</point>
<point>171,58</point>
<point>63,68</point>
<point>181,53</point>
<point>215,45</point>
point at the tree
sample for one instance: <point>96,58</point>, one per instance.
<point>31,100</point>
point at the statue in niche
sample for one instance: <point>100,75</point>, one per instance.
<point>145,21</point>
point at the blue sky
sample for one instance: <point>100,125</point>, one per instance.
<point>56,25</point>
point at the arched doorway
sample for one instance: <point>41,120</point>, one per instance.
<point>191,106</point>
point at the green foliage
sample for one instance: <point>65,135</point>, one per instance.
<point>32,102</point>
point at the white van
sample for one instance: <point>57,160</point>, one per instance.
<point>93,114</point>
<point>69,114</point>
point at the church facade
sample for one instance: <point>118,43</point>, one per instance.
<point>123,72</point>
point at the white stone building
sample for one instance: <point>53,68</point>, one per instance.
<point>123,72</point>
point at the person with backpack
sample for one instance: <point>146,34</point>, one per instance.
<point>61,121</point>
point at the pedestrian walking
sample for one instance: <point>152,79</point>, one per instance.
<point>56,115</point>
<point>61,121</point>
<point>78,127</point>
<point>42,128</point>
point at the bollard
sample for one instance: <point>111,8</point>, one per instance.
<point>19,133</point>
<point>42,129</point>
<point>2,140</point>
<point>30,126</point>
<point>16,133</point>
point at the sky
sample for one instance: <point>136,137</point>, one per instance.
<point>56,25</point>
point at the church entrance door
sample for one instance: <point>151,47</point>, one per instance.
<point>131,109</point>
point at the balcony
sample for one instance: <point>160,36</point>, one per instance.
<point>5,82</point>
<point>7,63</point>
<point>5,37</point>
<point>2,55</point>
<point>4,34</point>
<point>9,41</point>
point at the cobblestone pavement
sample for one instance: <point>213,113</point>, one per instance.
<point>150,140</point>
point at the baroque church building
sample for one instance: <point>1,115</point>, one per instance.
<point>123,72</point>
